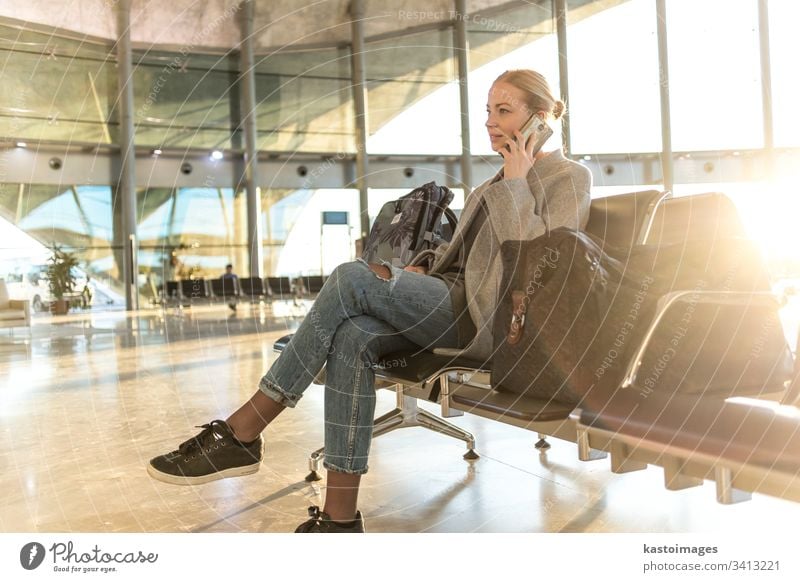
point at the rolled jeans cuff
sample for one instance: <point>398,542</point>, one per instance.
<point>331,467</point>
<point>277,393</point>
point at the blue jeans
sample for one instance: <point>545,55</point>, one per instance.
<point>357,318</point>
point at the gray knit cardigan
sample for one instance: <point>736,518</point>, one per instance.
<point>555,193</point>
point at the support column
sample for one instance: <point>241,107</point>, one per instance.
<point>663,81</point>
<point>359,83</point>
<point>126,187</point>
<point>238,249</point>
<point>254,238</point>
<point>766,86</point>
<point>462,58</point>
<point>563,71</point>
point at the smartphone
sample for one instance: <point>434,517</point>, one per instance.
<point>536,129</point>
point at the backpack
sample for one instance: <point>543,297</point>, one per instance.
<point>571,316</point>
<point>409,225</point>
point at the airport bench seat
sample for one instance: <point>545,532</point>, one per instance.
<point>310,284</point>
<point>623,220</point>
<point>255,288</point>
<point>423,366</point>
<point>228,289</point>
<point>195,289</point>
<point>281,287</point>
<point>742,444</point>
<point>513,406</point>
<point>428,368</point>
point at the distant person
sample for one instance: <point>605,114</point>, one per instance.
<point>86,294</point>
<point>229,274</point>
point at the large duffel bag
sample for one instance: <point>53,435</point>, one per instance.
<point>571,315</point>
<point>409,225</point>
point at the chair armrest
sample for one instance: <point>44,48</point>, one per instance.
<point>20,304</point>
<point>23,304</point>
<point>744,299</point>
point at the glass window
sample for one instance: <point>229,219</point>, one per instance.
<point>184,100</point>
<point>78,218</point>
<point>715,78</point>
<point>614,100</point>
<point>784,49</point>
<point>606,191</point>
<point>190,233</point>
<point>304,101</point>
<point>412,98</point>
<point>297,242</point>
<point>520,38</point>
<point>55,89</point>
<point>769,214</point>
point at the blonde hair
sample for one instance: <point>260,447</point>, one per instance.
<point>536,88</point>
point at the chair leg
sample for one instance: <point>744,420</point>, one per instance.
<point>388,422</point>
<point>314,461</point>
<point>585,451</point>
<point>433,422</point>
<point>407,413</point>
<point>542,443</point>
<point>404,414</point>
<point>726,493</point>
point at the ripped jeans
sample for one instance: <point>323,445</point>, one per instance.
<point>357,318</point>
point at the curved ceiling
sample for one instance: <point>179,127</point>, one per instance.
<point>213,24</point>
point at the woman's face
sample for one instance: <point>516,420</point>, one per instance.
<point>506,111</point>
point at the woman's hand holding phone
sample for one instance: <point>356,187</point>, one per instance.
<point>519,153</point>
<point>518,159</point>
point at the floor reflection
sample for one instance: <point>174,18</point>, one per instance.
<point>87,399</point>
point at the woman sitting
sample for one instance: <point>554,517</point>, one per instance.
<point>366,311</point>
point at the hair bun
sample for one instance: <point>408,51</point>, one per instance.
<point>558,109</point>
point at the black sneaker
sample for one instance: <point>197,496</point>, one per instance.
<point>213,454</point>
<point>321,522</point>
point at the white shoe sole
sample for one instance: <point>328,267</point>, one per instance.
<point>180,480</point>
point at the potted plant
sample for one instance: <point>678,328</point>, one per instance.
<point>60,278</point>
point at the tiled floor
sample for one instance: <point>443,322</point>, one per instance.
<point>86,400</point>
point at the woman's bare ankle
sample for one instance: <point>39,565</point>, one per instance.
<point>339,516</point>
<point>240,433</point>
<point>250,420</point>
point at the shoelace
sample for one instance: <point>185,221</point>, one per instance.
<point>206,437</point>
<point>315,514</point>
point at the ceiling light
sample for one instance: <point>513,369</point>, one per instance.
<point>216,155</point>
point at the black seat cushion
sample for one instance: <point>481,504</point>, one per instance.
<point>280,285</point>
<point>412,366</point>
<point>516,406</point>
<point>225,287</point>
<point>737,431</point>
<point>194,288</point>
<point>252,286</point>
<point>710,216</point>
<point>618,220</point>
<point>415,366</point>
